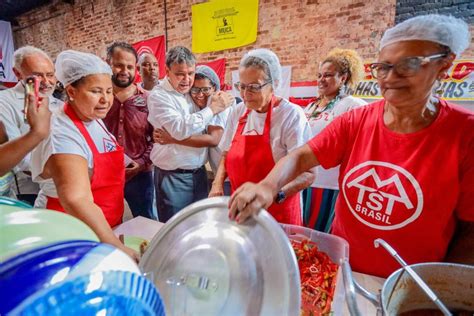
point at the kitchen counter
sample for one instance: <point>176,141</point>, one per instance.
<point>147,228</point>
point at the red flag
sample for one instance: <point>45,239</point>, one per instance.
<point>218,66</point>
<point>155,46</point>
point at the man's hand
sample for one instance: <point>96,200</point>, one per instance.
<point>249,199</point>
<point>38,116</point>
<point>220,101</point>
<point>162,137</point>
<point>131,170</point>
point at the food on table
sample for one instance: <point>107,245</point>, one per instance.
<point>318,278</point>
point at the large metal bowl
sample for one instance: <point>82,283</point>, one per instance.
<point>452,283</point>
<point>205,264</point>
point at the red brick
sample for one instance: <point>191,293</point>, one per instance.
<point>301,32</point>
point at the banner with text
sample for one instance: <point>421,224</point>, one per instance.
<point>6,53</point>
<point>223,24</point>
<point>458,85</point>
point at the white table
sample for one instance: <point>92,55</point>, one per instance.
<point>147,228</point>
<point>139,227</point>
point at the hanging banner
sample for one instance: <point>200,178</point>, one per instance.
<point>457,86</point>
<point>224,24</point>
<point>282,91</point>
<point>6,53</point>
<point>155,46</point>
<point>218,66</point>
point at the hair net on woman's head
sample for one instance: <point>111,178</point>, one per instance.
<point>72,65</point>
<point>442,29</point>
<point>272,61</point>
<point>210,74</point>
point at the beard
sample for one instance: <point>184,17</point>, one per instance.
<point>122,84</point>
<point>46,90</point>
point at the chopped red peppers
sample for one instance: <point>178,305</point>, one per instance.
<point>318,278</point>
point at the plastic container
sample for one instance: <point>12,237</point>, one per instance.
<point>335,247</point>
<point>111,293</point>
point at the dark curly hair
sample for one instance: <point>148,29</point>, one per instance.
<point>121,45</point>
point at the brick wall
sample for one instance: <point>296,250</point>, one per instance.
<point>458,8</point>
<point>301,32</point>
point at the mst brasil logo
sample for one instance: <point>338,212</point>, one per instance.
<point>382,195</point>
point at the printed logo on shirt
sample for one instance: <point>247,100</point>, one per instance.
<point>382,195</point>
<point>109,145</point>
<point>139,101</point>
<point>251,132</point>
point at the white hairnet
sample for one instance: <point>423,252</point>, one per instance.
<point>442,29</point>
<point>271,59</point>
<point>72,65</point>
<point>210,74</point>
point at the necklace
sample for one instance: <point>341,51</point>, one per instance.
<point>328,106</point>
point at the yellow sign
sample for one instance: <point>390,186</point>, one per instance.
<point>224,24</point>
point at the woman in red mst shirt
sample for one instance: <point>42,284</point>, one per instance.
<point>406,162</point>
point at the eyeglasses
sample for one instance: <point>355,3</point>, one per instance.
<point>405,68</point>
<point>204,90</point>
<point>251,87</point>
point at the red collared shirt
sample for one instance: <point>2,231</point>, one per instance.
<point>128,122</point>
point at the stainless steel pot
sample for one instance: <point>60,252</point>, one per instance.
<point>453,283</point>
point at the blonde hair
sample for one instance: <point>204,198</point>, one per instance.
<point>347,61</point>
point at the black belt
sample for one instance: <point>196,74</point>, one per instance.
<point>182,170</point>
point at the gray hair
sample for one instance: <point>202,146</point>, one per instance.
<point>179,55</point>
<point>265,60</point>
<point>259,64</point>
<point>21,53</point>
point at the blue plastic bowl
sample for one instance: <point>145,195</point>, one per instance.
<point>109,293</point>
<point>41,268</point>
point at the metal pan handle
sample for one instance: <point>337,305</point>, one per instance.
<point>352,287</point>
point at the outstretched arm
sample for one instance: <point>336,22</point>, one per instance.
<point>249,198</point>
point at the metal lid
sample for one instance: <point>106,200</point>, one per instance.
<point>205,264</point>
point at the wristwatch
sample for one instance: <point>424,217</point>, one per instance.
<point>280,197</point>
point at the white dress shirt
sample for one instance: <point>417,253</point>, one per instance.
<point>215,153</point>
<point>11,114</point>
<point>175,112</point>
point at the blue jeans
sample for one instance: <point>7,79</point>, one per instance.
<point>175,190</point>
<point>139,195</point>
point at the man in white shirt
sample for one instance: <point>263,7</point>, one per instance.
<point>28,61</point>
<point>180,176</point>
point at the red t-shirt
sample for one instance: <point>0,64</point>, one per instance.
<point>408,189</point>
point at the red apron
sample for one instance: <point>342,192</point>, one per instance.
<point>108,177</point>
<point>250,159</point>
